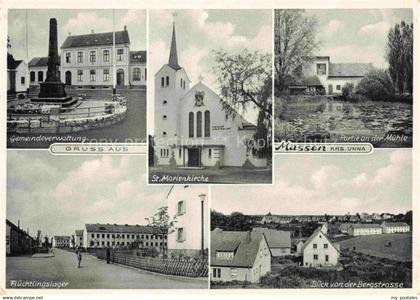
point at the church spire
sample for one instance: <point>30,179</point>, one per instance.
<point>173,56</point>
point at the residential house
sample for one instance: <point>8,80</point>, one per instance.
<point>78,239</point>
<point>38,67</point>
<point>18,241</point>
<point>395,227</point>
<point>364,229</point>
<point>278,241</point>
<point>61,241</point>
<point>138,68</point>
<point>344,227</point>
<point>239,256</point>
<point>188,205</point>
<point>319,251</point>
<point>17,76</point>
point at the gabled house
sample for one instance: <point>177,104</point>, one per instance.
<point>279,242</point>
<point>319,251</point>
<point>239,255</point>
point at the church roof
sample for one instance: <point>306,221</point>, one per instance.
<point>173,55</point>
<point>96,39</point>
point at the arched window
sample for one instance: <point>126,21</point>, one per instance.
<point>162,82</point>
<point>191,124</point>
<point>207,123</point>
<point>32,76</point>
<point>40,76</point>
<point>199,124</point>
<point>167,80</point>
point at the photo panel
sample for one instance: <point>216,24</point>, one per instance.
<point>211,101</point>
<point>76,76</point>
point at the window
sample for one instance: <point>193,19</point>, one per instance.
<point>79,75</point>
<point>93,235</point>
<point>315,246</point>
<point>181,208</point>
<point>92,75</point>
<point>164,117</point>
<point>191,124</point>
<point>180,82</point>
<point>325,246</point>
<point>207,123</point>
<point>315,256</point>
<point>180,152</point>
<point>209,152</point>
<point>233,272</point>
<point>103,235</point>
<point>68,57</point>
<point>120,54</point>
<point>105,55</point>
<point>180,235</point>
<point>224,255</point>
<point>40,76</point>
<point>32,76</point>
<point>338,87</point>
<point>321,69</point>
<point>107,235</point>
<point>167,80</point>
<point>98,235</point>
<point>199,124</point>
<point>80,57</point>
<point>162,82</point>
<point>327,258</point>
<point>165,102</point>
<point>164,133</point>
<point>145,74</point>
<point>92,56</point>
<point>22,80</point>
<point>106,74</point>
<point>217,273</point>
<point>136,74</point>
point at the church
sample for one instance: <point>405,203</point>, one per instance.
<point>191,127</point>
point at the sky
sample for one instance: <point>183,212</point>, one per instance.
<point>69,20</point>
<point>358,35</point>
<point>326,184</point>
<point>59,194</point>
<point>198,33</point>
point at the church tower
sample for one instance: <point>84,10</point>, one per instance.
<point>171,84</point>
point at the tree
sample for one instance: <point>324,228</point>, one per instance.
<point>399,53</point>
<point>376,85</point>
<point>294,40</point>
<point>245,81</point>
<point>164,224</point>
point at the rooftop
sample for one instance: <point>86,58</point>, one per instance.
<point>117,228</point>
<point>349,69</point>
<point>96,39</point>
<point>275,238</point>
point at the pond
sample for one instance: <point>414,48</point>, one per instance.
<point>384,124</point>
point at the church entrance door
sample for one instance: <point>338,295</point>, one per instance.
<point>193,157</point>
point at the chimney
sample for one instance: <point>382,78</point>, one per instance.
<point>125,27</point>
<point>92,31</point>
<point>69,33</point>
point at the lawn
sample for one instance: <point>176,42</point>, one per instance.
<point>225,175</point>
<point>400,248</point>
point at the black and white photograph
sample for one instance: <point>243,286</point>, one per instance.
<point>72,228</point>
<point>344,75</point>
<point>211,116</point>
<point>76,76</point>
<point>346,224</point>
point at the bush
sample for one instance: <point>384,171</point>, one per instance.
<point>347,90</point>
<point>376,86</point>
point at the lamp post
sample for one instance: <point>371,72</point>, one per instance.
<point>202,198</point>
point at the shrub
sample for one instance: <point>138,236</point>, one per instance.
<point>376,86</point>
<point>347,90</point>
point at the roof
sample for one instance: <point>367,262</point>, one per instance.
<point>79,232</point>
<point>12,63</point>
<point>276,238</point>
<point>395,224</point>
<point>117,228</point>
<point>307,81</point>
<point>40,62</point>
<point>138,57</point>
<point>349,69</point>
<point>173,55</point>
<point>313,235</point>
<point>64,237</point>
<point>244,244</point>
<point>358,225</point>
<point>96,39</point>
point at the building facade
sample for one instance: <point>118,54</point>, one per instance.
<point>279,242</point>
<point>318,251</point>
<point>189,206</point>
<point>395,227</point>
<point>88,61</point>
<point>115,235</point>
<point>319,73</point>
<point>78,239</point>
<point>38,67</point>
<point>17,76</point>
<point>61,241</point>
<point>364,229</point>
<point>191,128</point>
<point>239,256</point>
<point>18,241</point>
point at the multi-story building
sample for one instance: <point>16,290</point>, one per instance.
<point>395,227</point>
<point>115,235</point>
<point>189,206</point>
<point>239,256</point>
<point>88,61</point>
<point>78,239</point>
<point>18,241</point>
<point>61,241</point>
<point>364,229</point>
<point>191,128</point>
<point>319,251</point>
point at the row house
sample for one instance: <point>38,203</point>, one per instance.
<point>18,241</point>
<point>395,227</point>
<point>364,229</point>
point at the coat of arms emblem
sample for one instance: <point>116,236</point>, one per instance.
<point>199,98</point>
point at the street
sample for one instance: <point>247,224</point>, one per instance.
<point>93,274</point>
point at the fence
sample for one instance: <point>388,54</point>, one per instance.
<point>191,267</point>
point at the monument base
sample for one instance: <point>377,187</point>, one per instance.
<point>63,101</point>
<point>52,89</point>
